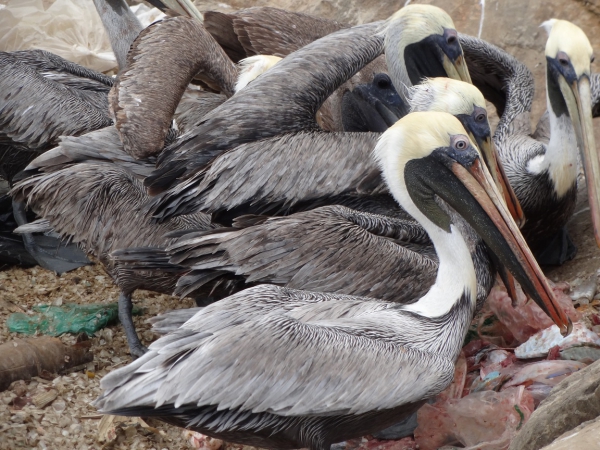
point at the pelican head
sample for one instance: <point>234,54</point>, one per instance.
<point>466,103</point>
<point>421,41</point>
<point>428,156</point>
<point>373,106</point>
<point>252,67</point>
<point>569,56</point>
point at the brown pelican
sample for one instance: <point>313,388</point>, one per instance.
<point>281,368</point>
<point>335,249</point>
<point>286,117</point>
<point>43,97</point>
<point>150,90</point>
<point>543,169</point>
<point>90,191</point>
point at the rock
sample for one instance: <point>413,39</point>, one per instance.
<point>571,402</point>
<point>585,436</point>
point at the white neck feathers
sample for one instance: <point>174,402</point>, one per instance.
<point>560,158</point>
<point>455,276</point>
<point>456,272</point>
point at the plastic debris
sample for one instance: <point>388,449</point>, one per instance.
<point>583,290</point>
<point>482,420</point>
<point>369,443</point>
<point>540,343</point>
<point>526,318</point>
<point>544,372</point>
<point>201,441</point>
<point>69,28</point>
<point>70,318</point>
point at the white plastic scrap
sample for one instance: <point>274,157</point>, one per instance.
<point>540,343</point>
<point>69,28</point>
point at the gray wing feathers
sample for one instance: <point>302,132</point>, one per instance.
<point>59,69</point>
<point>35,111</point>
<point>147,93</point>
<point>316,341</point>
<point>505,81</point>
<point>98,204</point>
<point>171,320</point>
<point>194,105</point>
<point>329,249</point>
<point>261,172</point>
<point>267,107</point>
<point>102,145</point>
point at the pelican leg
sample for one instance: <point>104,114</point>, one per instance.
<point>399,430</point>
<point>48,251</point>
<point>125,309</point>
<point>557,250</point>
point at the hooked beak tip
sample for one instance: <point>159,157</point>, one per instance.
<point>565,331</point>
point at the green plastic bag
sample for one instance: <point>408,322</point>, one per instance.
<point>69,318</point>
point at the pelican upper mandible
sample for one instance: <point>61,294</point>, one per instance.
<point>543,173</point>
<point>282,368</point>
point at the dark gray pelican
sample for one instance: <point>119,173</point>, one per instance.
<point>280,368</point>
<point>543,168</point>
<point>286,117</point>
<point>43,97</point>
<point>90,191</point>
<point>365,245</point>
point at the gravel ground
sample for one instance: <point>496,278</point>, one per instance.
<point>69,421</point>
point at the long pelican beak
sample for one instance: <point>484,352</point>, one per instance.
<point>496,172</point>
<point>457,69</point>
<point>490,156</point>
<point>474,196</point>
<point>578,98</point>
<point>513,253</point>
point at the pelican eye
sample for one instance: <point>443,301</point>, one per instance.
<point>563,59</point>
<point>460,143</point>
<point>451,36</point>
<point>480,117</point>
<point>383,81</point>
<point>592,58</point>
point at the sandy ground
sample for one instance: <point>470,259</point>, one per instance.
<point>70,422</point>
